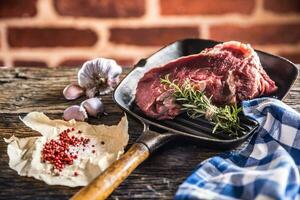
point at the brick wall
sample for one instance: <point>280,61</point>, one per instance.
<point>68,32</point>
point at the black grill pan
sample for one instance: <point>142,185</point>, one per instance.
<point>282,71</point>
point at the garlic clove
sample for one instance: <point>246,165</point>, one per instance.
<point>93,106</point>
<point>75,112</point>
<point>73,91</point>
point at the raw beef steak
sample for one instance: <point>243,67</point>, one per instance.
<point>229,72</point>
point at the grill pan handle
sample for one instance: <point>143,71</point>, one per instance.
<point>102,186</point>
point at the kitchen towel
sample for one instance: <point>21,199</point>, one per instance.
<point>266,168</point>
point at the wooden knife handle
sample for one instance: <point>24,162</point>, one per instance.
<point>102,186</point>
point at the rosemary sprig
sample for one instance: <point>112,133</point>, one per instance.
<point>197,104</point>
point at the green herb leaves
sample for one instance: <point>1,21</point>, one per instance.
<point>197,104</point>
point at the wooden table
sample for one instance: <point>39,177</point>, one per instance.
<point>40,89</point>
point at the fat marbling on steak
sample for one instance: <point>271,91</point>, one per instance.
<point>229,72</point>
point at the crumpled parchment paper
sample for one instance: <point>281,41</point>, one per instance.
<point>25,153</point>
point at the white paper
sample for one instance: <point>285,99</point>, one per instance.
<point>25,153</point>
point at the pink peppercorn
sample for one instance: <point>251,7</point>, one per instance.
<point>57,153</point>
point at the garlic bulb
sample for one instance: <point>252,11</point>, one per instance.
<point>100,75</point>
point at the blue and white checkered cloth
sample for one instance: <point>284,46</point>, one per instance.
<point>267,168</point>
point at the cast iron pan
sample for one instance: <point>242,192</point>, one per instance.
<point>158,132</point>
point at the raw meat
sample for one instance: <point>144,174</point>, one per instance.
<point>229,72</point>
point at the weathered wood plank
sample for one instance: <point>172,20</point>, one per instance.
<point>40,89</point>
<point>157,178</point>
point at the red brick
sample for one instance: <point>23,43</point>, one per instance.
<point>206,7</point>
<point>29,63</point>
<point>100,8</point>
<point>72,62</point>
<point>50,37</point>
<point>280,6</point>
<point>258,34</point>
<point>151,36</point>
<point>125,62</point>
<point>294,57</point>
<point>17,8</point>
